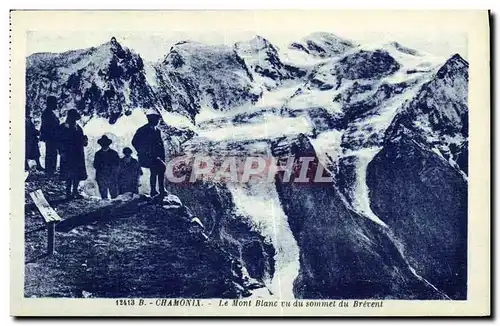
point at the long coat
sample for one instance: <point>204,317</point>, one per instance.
<point>106,165</point>
<point>49,131</point>
<point>32,150</point>
<point>72,142</point>
<point>129,172</point>
<point>148,143</point>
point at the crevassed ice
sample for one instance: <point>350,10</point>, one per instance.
<point>260,202</point>
<point>327,146</point>
<point>361,200</point>
<point>272,127</point>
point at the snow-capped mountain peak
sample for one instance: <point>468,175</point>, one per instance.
<point>194,76</point>
<point>255,44</point>
<point>106,81</point>
<point>439,112</point>
<point>404,49</point>
<point>324,45</point>
<point>263,61</point>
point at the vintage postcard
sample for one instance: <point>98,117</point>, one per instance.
<point>250,163</point>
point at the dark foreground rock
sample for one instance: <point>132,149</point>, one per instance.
<point>343,255</point>
<point>423,199</point>
<point>156,251</point>
<point>213,205</point>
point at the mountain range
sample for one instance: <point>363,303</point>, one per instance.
<point>388,123</point>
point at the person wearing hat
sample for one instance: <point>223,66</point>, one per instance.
<point>148,143</point>
<point>49,133</point>
<point>71,145</point>
<point>129,172</point>
<point>106,163</point>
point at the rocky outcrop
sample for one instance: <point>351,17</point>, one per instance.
<point>423,200</point>
<point>263,61</point>
<point>214,206</point>
<point>357,92</point>
<point>366,65</point>
<point>194,75</point>
<point>417,182</point>
<point>323,45</point>
<point>106,81</point>
<point>462,157</point>
<point>342,254</point>
<point>439,112</point>
<point>134,246</point>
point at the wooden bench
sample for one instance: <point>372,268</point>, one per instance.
<point>49,215</point>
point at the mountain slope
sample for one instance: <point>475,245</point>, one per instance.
<point>363,87</point>
<point>263,60</point>
<point>342,254</point>
<point>106,81</point>
<point>194,76</point>
<point>439,112</point>
<point>423,200</point>
<point>417,181</point>
<point>323,45</point>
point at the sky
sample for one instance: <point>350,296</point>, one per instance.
<point>153,46</point>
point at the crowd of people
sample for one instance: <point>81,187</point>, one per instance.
<point>115,175</point>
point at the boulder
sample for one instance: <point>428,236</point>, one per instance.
<point>171,200</point>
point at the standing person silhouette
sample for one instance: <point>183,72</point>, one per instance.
<point>129,173</point>
<point>32,150</point>
<point>106,161</point>
<point>148,143</point>
<point>49,133</point>
<point>72,143</point>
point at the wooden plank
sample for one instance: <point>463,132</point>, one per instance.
<point>48,213</point>
<point>114,209</point>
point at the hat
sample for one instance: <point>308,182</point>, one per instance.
<point>73,113</point>
<point>152,112</point>
<point>104,141</point>
<point>51,101</point>
<point>127,150</point>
